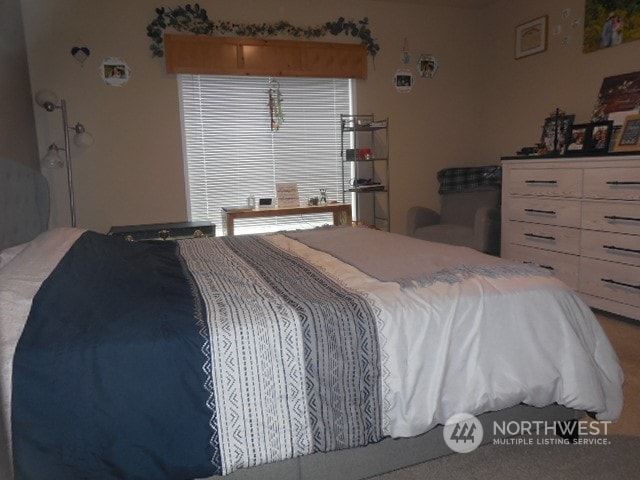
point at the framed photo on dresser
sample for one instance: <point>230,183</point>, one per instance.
<point>555,133</point>
<point>599,137</point>
<point>629,139</point>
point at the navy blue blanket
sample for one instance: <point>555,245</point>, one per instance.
<point>128,362</point>
<point>177,360</point>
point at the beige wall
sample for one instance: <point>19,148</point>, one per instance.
<point>482,104</point>
<point>521,93</point>
<point>17,128</point>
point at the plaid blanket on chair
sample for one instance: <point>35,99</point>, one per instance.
<point>469,178</point>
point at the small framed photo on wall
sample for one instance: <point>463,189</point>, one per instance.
<point>531,37</point>
<point>599,137</point>
<point>115,71</point>
<point>427,66</point>
<point>403,81</point>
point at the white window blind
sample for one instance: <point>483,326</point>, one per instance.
<point>231,153</point>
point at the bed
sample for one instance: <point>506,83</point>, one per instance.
<point>333,353</point>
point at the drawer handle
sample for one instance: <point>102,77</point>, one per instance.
<point>615,217</point>
<point>535,210</point>
<point>554,182</point>
<point>543,237</point>
<point>164,234</point>
<point>622,284</point>
<point>617,182</point>
<point>621,249</point>
<point>548,267</point>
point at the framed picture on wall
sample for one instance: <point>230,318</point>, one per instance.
<point>115,71</point>
<point>609,24</point>
<point>577,139</point>
<point>629,139</point>
<point>599,137</point>
<point>531,37</point>
<point>403,80</point>
<point>427,66</point>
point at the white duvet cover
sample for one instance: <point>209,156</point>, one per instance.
<point>472,346</point>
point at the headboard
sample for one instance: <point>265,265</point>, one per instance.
<point>24,203</point>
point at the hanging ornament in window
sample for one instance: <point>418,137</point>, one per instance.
<point>275,105</point>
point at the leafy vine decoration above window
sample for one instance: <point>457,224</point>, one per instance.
<point>195,20</point>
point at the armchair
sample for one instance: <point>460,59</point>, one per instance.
<point>470,211</point>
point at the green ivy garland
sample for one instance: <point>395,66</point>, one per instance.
<point>195,20</point>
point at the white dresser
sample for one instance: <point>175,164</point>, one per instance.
<point>580,218</point>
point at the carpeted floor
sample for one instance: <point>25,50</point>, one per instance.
<point>625,338</point>
<point>619,459</point>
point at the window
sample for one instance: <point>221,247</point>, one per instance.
<point>231,153</point>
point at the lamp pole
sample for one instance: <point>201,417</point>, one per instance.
<point>49,101</point>
<point>67,154</point>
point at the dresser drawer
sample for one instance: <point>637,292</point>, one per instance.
<point>614,183</point>
<point>547,211</point>
<point>563,266</point>
<point>546,182</point>
<point>619,217</point>
<point>612,281</point>
<point>612,247</point>
<point>549,237</point>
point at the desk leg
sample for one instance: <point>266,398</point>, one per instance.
<point>229,224</point>
<point>342,217</point>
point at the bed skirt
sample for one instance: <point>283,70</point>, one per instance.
<point>392,454</point>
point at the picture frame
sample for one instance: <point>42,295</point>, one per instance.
<point>115,71</point>
<point>599,137</point>
<point>548,138</point>
<point>618,95</point>
<point>287,195</point>
<point>629,138</point>
<point>578,139</point>
<point>609,26</point>
<point>403,80</point>
<point>427,66</point>
<point>531,37</point>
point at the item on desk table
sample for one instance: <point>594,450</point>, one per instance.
<point>364,154</point>
<point>251,201</point>
<point>323,196</point>
<point>313,201</point>
<point>287,194</point>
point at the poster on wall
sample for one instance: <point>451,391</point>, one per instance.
<point>609,24</point>
<point>619,96</point>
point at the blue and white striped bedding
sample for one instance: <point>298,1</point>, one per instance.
<point>211,355</point>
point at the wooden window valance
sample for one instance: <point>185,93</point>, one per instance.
<point>250,56</point>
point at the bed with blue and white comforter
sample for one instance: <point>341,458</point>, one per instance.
<point>200,357</point>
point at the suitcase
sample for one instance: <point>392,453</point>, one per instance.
<point>165,231</point>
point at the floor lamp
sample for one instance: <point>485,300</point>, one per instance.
<point>49,101</point>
